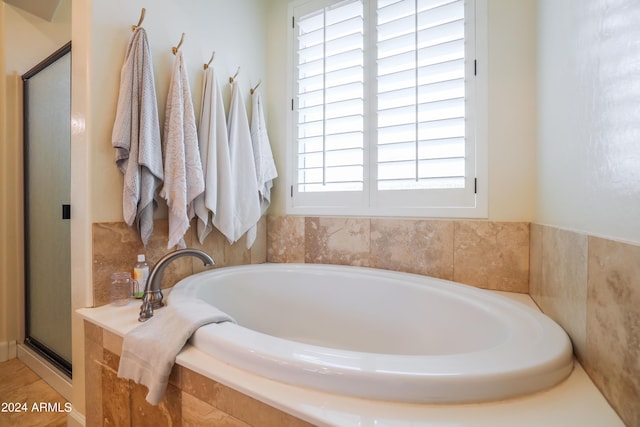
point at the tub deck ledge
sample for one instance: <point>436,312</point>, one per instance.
<point>575,401</point>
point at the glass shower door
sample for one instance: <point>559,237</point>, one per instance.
<point>47,136</point>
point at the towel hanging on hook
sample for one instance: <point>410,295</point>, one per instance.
<point>175,49</point>
<point>231,79</point>
<point>133,27</point>
<point>253,89</point>
<point>210,60</point>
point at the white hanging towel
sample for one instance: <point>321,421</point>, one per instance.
<point>136,136</point>
<point>183,180</point>
<point>243,170</point>
<point>217,199</point>
<point>265,166</point>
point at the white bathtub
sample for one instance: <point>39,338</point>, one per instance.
<point>377,334</point>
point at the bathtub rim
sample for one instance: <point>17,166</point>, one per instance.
<point>450,375</point>
<point>575,401</point>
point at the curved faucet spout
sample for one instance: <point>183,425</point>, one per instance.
<point>152,293</point>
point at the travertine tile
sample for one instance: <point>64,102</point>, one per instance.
<point>256,413</point>
<point>116,410</point>
<point>157,248</point>
<point>234,403</point>
<point>167,413</point>
<point>199,386</point>
<point>175,377</point>
<point>492,255</point>
<point>110,360</point>
<point>413,246</point>
<point>536,289</point>
<point>258,251</point>
<point>343,241</point>
<point>562,293</point>
<point>613,324</point>
<point>226,254</point>
<point>237,253</point>
<point>196,413</point>
<point>112,342</point>
<point>92,333</point>
<point>213,245</point>
<point>93,357</point>
<point>285,237</point>
<point>116,247</point>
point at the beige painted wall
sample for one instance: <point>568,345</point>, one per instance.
<point>7,318</point>
<point>234,30</point>
<point>30,39</point>
<point>589,117</point>
<point>512,109</point>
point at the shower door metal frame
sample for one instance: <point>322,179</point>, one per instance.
<point>39,347</point>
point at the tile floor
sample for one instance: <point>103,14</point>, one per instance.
<point>26,400</point>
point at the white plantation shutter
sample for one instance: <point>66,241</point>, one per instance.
<point>420,94</point>
<point>384,108</point>
<point>330,99</point>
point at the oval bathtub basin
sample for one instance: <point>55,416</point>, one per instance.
<point>377,334</point>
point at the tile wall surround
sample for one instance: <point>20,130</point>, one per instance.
<point>591,287</point>
<point>116,247</point>
<point>487,254</point>
<point>190,398</point>
<point>492,255</point>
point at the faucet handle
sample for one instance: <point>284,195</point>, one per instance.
<point>146,311</point>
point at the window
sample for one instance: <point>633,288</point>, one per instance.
<point>384,109</point>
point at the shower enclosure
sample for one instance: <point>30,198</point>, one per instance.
<point>47,209</point>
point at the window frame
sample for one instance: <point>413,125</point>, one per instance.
<point>382,203</point>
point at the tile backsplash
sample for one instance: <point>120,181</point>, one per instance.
<point>591,287</point>
<point>486,254</point>
<point>116,246</point>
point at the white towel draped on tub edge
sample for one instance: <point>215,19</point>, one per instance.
<point>136,136</point>
<point>149,351</point>
<point>183,178</point>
